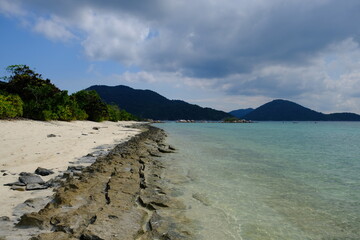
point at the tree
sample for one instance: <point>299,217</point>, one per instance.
<point>91,103</point>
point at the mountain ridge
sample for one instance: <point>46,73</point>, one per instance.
<point>240,113</point>
<point>152,105</point>
<point>284,110</point>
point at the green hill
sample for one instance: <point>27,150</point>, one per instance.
<point>149,104</point>
<point>283,110</point>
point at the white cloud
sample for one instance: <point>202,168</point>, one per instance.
<point>11,8</point>
<point>112,37</point>
<point>300,50</point>
<point>54,29</point>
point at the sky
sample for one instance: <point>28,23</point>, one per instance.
<point>225,55</point>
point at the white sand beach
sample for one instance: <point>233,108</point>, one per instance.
<point>26,145</point>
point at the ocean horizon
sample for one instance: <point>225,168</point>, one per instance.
<point>267,180</point>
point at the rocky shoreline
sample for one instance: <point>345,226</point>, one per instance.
<point>120,196</point>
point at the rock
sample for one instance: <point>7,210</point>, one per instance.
<point>51,135</point>
<point>15,184</point>
<point>35,186</point>
<point>163,150</point>
<point>75,168</point>
<point>172,147</point>
<point>67,175</point>
<point>5,218</point>
<point>87,236</point>
<point>31,220</point>
<point>201,198</point>
<point>17,188</point>
<point>31,205</point>
<point>53,236</point>
<point>29,178</point>
<point>154,154</point>
<point>55,182</point>
<point>43,171</point>
<point>95,128</point>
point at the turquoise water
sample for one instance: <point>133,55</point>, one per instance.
<point>268,180</point>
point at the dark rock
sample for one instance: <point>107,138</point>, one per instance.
<point>35,186</point>
<point>75,168</point>
<point>15,184</point>
<point>4,218</point>
<point>30,220</point>
<point>43,171</point>
<point>51,135</point>
<point>67,175</point>
<point>29,178</point>
<point>172,147</point>
<point>163,150</point>
<point>54,182</point>
<point>87,236</point>
<point>153,154</point>
<point>95,128</point>
<point>4,174</point>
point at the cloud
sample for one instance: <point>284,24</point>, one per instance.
<point>54,29</point>
<point>302,50</point>
<point>11,8</point>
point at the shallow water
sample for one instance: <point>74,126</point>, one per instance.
<point>268,180</point>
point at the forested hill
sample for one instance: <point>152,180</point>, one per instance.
<point>149,104</point>
<point>283,110</point>
<point>240,113</point>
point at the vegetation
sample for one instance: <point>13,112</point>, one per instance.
<point>283,110</point>
<point>11,106</point>
<point>25,93</point>
<point>151,105</point>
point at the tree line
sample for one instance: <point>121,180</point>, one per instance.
<point>24,93</point>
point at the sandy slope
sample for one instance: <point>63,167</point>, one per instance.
<point>26,145</point>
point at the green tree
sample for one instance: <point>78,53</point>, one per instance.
<point>36,93</point>
<point>91,103</point>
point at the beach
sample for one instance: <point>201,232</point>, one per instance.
<point>117,194</point>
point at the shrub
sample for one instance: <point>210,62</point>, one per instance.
<point>10,106</point>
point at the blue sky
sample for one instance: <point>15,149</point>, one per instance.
<point>222,54</point>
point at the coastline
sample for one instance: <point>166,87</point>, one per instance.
<point>120,196</point>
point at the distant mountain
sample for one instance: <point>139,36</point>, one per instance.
<point>283,110</point>
<point>240,113</point>
<point>149,104</point>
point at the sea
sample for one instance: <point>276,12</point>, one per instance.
<point>268,180</point>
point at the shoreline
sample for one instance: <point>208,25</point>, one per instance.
<point>120,196</point>
<point>28,144</point>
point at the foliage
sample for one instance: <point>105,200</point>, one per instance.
<point>28,84</point>
<point>36,98</point>
<point>10,106</point>
<point>231,119</point>
<point>91,103</point>
<point>116,114</point>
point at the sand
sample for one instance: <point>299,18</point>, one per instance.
<point>26,145</point>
